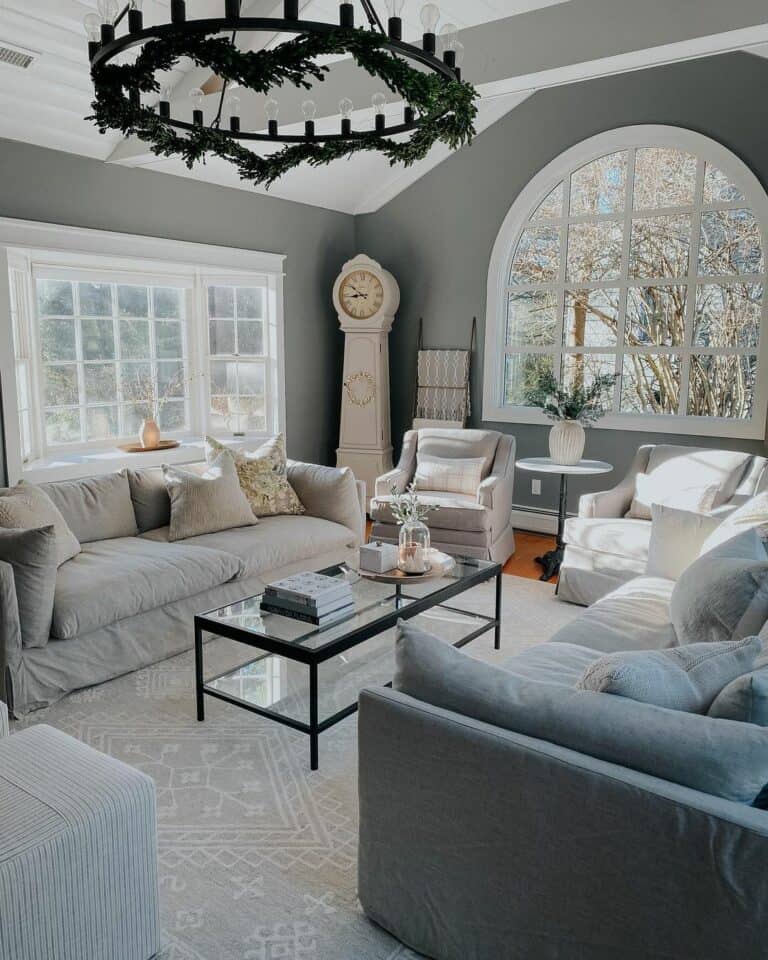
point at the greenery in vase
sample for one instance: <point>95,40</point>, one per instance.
<point>586,404</point>
<point>406,507</point>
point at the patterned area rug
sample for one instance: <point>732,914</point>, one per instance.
<point>257,853</point>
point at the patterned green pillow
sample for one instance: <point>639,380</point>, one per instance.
<point>262,475</point>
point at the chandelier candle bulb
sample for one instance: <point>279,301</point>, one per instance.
<point>395,26</point>
<point>135,16</point>
<point>178,11</point>
<point>231,9</point>
<point>409,114</point>
<point>196,96</point>
<point>272,109</point>
<point>345,108</point>
<point>107,33</point>
<point>291,9</point>
<point>92,25</point>
<point>430,17</point>
<point>347,15</point>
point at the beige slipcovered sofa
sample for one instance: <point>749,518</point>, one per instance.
<point>470,525</point>
<point>129,597</point>
<point>604,548</point>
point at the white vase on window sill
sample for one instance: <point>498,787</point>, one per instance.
<point>566,442</point>
<point>149,434</point>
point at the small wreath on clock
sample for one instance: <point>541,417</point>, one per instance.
<point>361,388</point>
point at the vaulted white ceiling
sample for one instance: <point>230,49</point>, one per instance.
<point>513,48</point>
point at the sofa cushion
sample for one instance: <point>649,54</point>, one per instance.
<point>683,678</point>
<point>634,616</point>
<point>151,502</point>
<point>656,488</point>
<point>96,508</point>
<point>453,511</point>
<point>677,468</point>
<point>328,492</point>
<point>718,757</point>
<point>26,506</point>
<point>723,595</point>
<point>32,555</point>
<point>751,514</point>
<point>744,699</point>
<point>621,537</point>
<point>448,475</point>
<point>442,442</point>
<point>209,502</point>
<point>677,537</point>
<point>262,474</point>
<point>114,579</point>
<point>275,543</point>
<point>562,663</point>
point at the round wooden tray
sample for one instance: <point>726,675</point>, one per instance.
<point>137,447</point>
<point>438,569</point>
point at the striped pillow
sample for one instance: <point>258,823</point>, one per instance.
<point>447,475</point>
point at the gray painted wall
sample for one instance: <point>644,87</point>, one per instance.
<point>49,186</point>
<point>437,236</point>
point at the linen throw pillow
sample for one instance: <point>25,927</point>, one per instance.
<point>650,489</point>
<point>33,556</point>
<point>676,540</point>
<point>750,515</point>
<point>681,678</point>
<point>744,699</point>
<point>446,475</point>
<point>27,507</point>
<point>262,475</point>
<point>723,759</point>
<point>724,594</point>
<point>206,503</point>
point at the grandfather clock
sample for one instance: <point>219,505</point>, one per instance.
<point>366,298</point>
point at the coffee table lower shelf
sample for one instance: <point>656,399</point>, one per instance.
<point>404,606</point>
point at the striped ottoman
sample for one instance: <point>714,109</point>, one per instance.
<point>78,852</point>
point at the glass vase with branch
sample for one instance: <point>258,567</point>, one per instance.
<point>152,394</point>
<point>414,539</point>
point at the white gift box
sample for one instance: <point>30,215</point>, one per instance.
<point>378,557</point>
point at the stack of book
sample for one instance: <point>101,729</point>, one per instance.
<point>311,597</point>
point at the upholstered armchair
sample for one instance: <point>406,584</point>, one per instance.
<point>466,522</point>
<point>607,543</point>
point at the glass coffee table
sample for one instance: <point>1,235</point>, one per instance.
<point>308,678</point>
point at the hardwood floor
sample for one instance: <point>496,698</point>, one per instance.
<point>527,547</point>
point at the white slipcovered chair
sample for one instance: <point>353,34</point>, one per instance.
<point>604,547</point>
<point>78,851</point>
<point>476,524</point>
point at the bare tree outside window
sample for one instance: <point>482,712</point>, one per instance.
<point>646,263</point>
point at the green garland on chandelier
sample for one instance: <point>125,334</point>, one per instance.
<point>446,107</point>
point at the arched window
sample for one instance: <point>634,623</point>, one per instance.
<point>639,252</point>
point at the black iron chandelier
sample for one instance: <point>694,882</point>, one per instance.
<point>439,106</point>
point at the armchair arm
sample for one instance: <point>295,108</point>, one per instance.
<point>444,798</point>
<point>495,493</point>
<point>330,493</point>
<point>616,501</point>
<point>403,473</point>
<point>10,629</point>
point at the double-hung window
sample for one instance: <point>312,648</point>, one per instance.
<point>102,343</point>
<point>639,253</point>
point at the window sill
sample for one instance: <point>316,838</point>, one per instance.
<point>87,463</point>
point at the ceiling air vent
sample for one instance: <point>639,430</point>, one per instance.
<point>16,56</point>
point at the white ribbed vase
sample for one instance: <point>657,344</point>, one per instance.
<point>566,442</point>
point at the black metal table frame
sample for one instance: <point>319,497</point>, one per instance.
<point>313,658</point>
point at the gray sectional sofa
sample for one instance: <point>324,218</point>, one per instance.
<point>129,597</point>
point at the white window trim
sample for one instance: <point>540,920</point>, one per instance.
<point>54,244</point>
<point>494,410</point>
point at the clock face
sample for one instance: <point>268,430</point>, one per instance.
<point>361,295</point>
